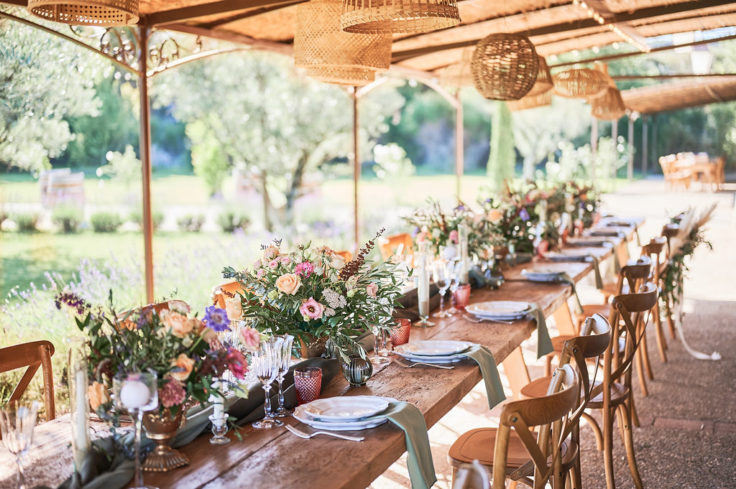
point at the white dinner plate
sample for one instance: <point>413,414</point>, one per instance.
<point>541,274</point>
<point>342,426</point>
<point>437,360</point>
<point>567,255</point>
<point>433,348</point>
<point>504,310</point>
<point>344,408</point>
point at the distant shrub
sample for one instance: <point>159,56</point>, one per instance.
<point>26,221</point>
<point>232,220</point>
<point>137,217</point>
<point>68,218</point>
<point>190,223</point>
<point>105,222</point>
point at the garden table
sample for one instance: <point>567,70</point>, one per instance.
<point>276,458</point>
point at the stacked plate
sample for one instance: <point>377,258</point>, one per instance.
<point>434,351</point>
<point>567,255</point>
<point>345,413</point>
<point>538,274</point>
<point>499,310</point>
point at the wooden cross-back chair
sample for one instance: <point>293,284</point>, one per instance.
<point>32,355</point>
<point>655,251</point>
<point>158,308</point>
<point>515,444</point>
<point>398,244</point>
<point>594,339</point>
<point>614,396</point>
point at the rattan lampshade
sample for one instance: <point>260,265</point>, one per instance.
<point>530,101</point>
<point>103,13</point>
<point>398,16</point>
<point>341,75</point>
<point>609,106</point>
<point>580,83</point>
<point>544,79</point>
<point>504,66</point>
<point>328,52</point>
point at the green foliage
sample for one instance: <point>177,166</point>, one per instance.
<point>26,221</point>
<point>208,158</point>
<point>190,223</point>
<point>43,80</point>
<point>67,218</point>
<point>392,163</point>
<point>231,220</point>
<point>105,222</point>
<point>157,217</point>
<point>123,167</point>
<point>502,159</point>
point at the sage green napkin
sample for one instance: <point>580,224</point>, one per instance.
<point>103,468</point>
<point>544,343</point>
<point>410,419</point>
<point>488,368</point>
<point>564,278</point>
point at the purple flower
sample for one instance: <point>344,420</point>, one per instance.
<point>216,319</point>
<point>524,214</point>
<point>72,300</point>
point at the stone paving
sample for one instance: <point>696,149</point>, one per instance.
<point>687,437</point>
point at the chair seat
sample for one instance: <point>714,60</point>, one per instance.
<point>478,444</point>
<point>619,394</point>
<point>536,388</point>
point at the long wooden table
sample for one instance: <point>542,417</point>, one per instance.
<point>276,458</point>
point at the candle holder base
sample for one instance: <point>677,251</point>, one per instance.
<point>162,429</point>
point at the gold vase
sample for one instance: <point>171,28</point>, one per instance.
<point>161,428</point>
<point>313,349</point>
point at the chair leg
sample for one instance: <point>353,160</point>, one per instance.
<point>661,340</point>
<point>608,448</point>
<point>645,356</point>
<point>638,356</point>
<point>596,430</point>
<point>575,473</point>
<point>632,410</point>
<point>548,365</point>
<point>670,321</point>
<point>624,419</point>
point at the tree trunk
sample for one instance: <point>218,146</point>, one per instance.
<point>267,224</point>
<point>296,184</point>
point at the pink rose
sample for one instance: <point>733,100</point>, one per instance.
<point>453,236</point>
<point>274,264</point>
<point>251,337</point>
<point>285,260</point>
<point>371,289</point>
<point>312,309</point>
<point>260,273</point>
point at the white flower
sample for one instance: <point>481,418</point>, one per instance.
<point>329,312</point>
<point>435,233</point>
<point>187,341</point>
<point>334,299</point>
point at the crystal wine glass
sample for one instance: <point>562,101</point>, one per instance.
<point>285,356</point>
<point>441,276</point>
<point>380,346</point>
<point>454,269</point>
<point>17,421</point>
<point>137,393</point>
<point>266,363</point>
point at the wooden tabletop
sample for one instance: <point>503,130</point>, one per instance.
<point>276,458</point>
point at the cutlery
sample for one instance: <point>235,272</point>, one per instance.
<point>307,436</point>
<point>477,320</point>
<point>414,364</point>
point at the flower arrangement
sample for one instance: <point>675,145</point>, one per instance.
<point>438,227</point>
<point>586,201</point>
<point>183,351</point>
<point>313,294</point>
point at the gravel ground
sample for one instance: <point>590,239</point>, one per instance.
<point>688,433</point>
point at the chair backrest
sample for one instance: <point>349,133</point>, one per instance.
<point>173,304</point>
<point>628,323</point>
<point>32,355</point>
<point>398,244</point>
<point>225,291</point>
<point>655,251</point>
<point>471,476</point>
<point>633,274</point>
<point>550,413</point>
<point>594,340</point>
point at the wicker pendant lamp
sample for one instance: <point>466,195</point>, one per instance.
<point>504,66</point>
<point>609,106</point>
<point>332,55</point>
<point>103,13</point>
<point>544,79</point>
<point>580,83</point>
<point>398,16</point>
<point>530,101</point>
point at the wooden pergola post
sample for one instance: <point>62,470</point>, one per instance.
<point>459,146</point>
<point>630,141</point>
<point>145,153</point>
<point>644,145</point>
<point>356,171</point>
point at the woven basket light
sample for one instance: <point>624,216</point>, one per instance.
<point>544,79</point>
<point>580,83</point>
<point>530,101</point>
<point>504,66</point>
<point>325,49</point>
<point>398,16</point>
<point>103,13</point>
<point>340,75</point>
<point>609,106</point>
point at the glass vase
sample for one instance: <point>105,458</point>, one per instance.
<point>79,401</point>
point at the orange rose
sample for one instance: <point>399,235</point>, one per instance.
<point>177,323</point>
<point>185,366</point>
<point>288,283</point>
<point>97,394</point>
<point>495,215</point>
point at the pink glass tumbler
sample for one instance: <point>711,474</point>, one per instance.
<point>462,296</point>
<point>400,332</point>
<point>308,383</point>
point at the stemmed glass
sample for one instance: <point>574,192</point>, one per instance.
<point>17,421</point>
<point>137,393</point>
<point>266,364</point>
<point>441,276</point>
<point>454,269</point>
<point>380,346</point>
<point>285,361</point>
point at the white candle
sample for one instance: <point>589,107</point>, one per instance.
<point>134,394</point>
<point>80,435</point>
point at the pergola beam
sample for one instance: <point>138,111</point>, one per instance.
<point>224,35</point>
<point>250,13</point>
<point>213,8</point>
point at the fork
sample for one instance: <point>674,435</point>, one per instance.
<point>414,364</point>
<point>475,320</point>
<point>307,436</point>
